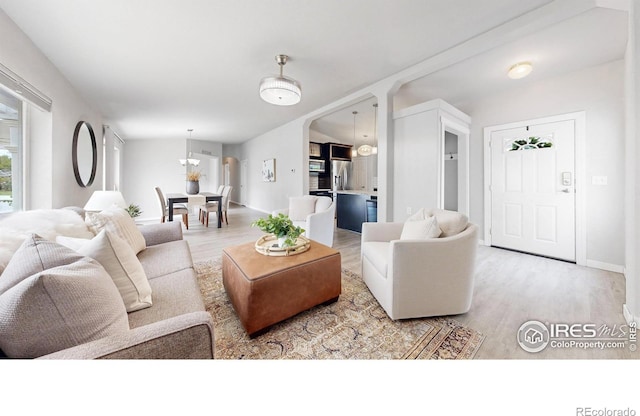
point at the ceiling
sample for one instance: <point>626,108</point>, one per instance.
<point>592,38</point>
<point>154,69</point>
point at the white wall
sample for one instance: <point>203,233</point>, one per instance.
<point>415,182</point>
<point>111,141</point>
<point>316,136</point>
<point>53,183</point>
<point>151,163</point>
<point>599,92</point>
<point>284,144</point>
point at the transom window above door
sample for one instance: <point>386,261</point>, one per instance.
<point>528,143</point>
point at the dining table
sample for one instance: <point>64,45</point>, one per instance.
<point>176,198</point>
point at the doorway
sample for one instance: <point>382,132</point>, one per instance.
<point>450,171</point>
<point>533,203</point>
<point>454,166</point>
<point>243,182</point>
<point>210,168</point>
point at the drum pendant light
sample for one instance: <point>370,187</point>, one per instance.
<point>280,90</point>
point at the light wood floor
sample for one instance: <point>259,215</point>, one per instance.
<point>510,288</point>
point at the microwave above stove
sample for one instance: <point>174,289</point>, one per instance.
<point>316,166</point>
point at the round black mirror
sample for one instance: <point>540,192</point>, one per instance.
<point>84,154</point>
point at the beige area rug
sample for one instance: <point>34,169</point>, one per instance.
<point>354,327</point>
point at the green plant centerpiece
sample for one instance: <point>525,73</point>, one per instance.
<point>280,226</point>
<point>134,210</point>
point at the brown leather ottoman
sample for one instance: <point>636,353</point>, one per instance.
<point>265,290</point>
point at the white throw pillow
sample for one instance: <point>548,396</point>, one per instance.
<point>119,260</point>
<point>419,215</point>
<point>118,221</point>
<point>421,229</point>
<point>56,299</point>
<point>301,206</point>
<point>450,222</point>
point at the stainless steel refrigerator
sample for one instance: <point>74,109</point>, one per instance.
<point>341,175</point>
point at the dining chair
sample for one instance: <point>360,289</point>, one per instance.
<point>178,209</point>
<point>226,198</point>
<point>210,207</point>
<point>213,204</point>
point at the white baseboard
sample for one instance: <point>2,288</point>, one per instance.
<point>616,268</point>
<point>628,316</point>
<point>258,209</point>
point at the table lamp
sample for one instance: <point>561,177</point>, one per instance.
<point>101,200</point>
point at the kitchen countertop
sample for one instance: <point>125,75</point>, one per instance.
<point>355,192</point>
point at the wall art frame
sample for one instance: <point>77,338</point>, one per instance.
<point>269,170</point>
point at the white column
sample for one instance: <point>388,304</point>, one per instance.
<point>632,163</point>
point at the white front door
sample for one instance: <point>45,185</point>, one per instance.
<point>533,189</point>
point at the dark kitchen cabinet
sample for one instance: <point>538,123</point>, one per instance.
<point>351,211</point>
<point>340,151</point>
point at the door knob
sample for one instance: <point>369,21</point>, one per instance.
<point>566,190</point>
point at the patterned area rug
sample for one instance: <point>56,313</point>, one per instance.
<point>354,327</point>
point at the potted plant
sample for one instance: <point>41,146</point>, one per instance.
<point>193,182</point>
<point>280,226</point>
<point>134,210</point>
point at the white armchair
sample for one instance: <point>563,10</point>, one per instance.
<point>415,278</point>
<point>315,214</point>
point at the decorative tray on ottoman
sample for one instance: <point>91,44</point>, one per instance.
<point>268,245</point>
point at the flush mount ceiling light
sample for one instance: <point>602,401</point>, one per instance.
<point>280,90</point>
<point>520,70</point>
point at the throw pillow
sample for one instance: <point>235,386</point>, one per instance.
<point>119,260</point>
<point>420,229</point>
<point>35,255</point>
<point>71,303</point>
<point>450,222</point>
<point>418,216</point>
<point>117,221</point>
<point>301,206</point>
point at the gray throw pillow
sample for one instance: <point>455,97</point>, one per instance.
<point>36,255</point>
<point>54,298</point>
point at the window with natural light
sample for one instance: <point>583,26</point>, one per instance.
<point>10,153</point>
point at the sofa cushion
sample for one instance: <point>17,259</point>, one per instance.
<point>165,258</point>
<point>117,221</point>
<point>301,206</point>
<point>174,294</point>
<point>377,252</point>
<point>119,260</point>
<point>47,223</point>
<point>421,229</point>
<point>450,222</point>
<point>58,299</point>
